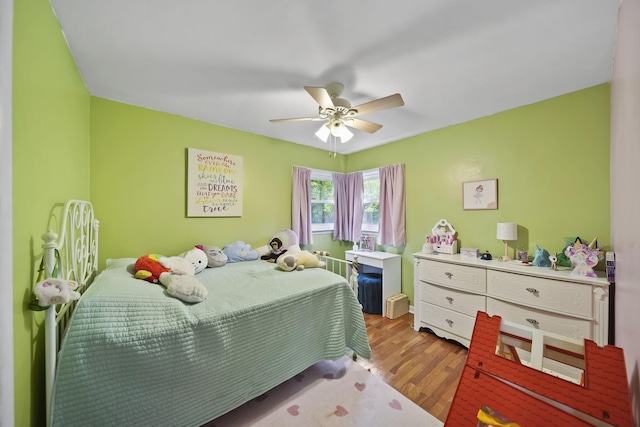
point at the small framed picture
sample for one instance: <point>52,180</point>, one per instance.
<point>367,243</point>
<point>480,194</point>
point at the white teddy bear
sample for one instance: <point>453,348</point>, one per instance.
<point>55,291</point>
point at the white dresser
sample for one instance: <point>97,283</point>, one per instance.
<point>449,290</point>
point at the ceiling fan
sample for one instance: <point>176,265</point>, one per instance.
<point>339,113</point>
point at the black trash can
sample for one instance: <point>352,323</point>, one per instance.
<point>370,292</point>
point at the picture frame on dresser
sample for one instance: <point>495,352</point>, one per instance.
<point>480,195</point>
<point>367,243</point>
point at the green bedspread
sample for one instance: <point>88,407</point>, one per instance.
<point>134,356</point>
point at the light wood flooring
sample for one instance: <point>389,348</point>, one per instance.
<point>419,365</point>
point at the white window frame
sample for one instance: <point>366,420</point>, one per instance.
<point>369,175</point>
<point>320,175</point>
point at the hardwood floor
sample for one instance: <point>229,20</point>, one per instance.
<point>421,366</point>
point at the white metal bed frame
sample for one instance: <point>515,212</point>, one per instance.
<point>70,255</point>
<point>73,255</point>
<point>341,267</point>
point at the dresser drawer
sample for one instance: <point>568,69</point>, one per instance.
<point>538,319</point>
<point>457,276</point>
<point>547,294</point>
<point>447,320</point>
<point>453,299</point>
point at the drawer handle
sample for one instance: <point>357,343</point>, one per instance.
<point>534,322</point>
<point>449,299</point>
<point>449,321</point>
<point>532,290</point>
<point>449,275</point>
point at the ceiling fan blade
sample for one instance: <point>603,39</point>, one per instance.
<point>297,119</point>
<point>385,103</point>
<point>363,125</point>
<point>321,96</point>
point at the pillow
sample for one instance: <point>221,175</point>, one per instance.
<point>119,262</point>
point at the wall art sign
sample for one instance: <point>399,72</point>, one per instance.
<point>480,194</point>
<point>214,184</point>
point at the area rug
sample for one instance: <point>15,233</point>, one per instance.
<point>330,393</point>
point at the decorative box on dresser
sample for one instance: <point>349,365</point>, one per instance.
<point>450,289</point>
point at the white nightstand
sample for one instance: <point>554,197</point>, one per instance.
<point>390,264</point>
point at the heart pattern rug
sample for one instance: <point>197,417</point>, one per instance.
<point>330,393</point>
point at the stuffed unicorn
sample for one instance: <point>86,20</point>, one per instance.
<point>55,291</point>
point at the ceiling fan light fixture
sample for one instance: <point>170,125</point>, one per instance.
<point>339,130</point>
<point>340,114</point>
<point>346,135</point>
<point>323,133</point>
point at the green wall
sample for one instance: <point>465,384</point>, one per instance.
<point>138,182</point>
<point>551,160</point>
<point>50,165</point>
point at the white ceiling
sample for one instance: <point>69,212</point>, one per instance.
<point>240,63</point>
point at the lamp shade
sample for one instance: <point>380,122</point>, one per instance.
<point>323,133</point>
<point>346,135</point>
<point>507,231</point>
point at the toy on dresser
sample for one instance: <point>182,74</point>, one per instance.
<point>442,240</point>
<point>584,257</point>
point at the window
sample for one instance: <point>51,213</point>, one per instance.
<point>322,204</point>
<point>370,217</point>
<point>322,208</point>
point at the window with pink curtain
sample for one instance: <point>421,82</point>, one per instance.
<point>392,206</point>
<point>348,194</point>
<point>301,205</point>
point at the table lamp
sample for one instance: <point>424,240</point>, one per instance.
<point>507,231</point>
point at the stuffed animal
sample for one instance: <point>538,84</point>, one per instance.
<point>280,243</point>
<point>298,260</point>
<point>175,273</point>
<point>554,261</point>
<point>240,251</point>
<point>541,259</point>
<point>215,256</point>
<point>197,257</point>
<point>55,291</point>
<point>276,250</point>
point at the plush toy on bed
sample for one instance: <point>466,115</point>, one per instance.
<point>276,250</point>
<point>240,251</point>
<point>279,244</point>
<point>176,273</point>
<point>296,259</point>
<point>55,291</point>
<point>197,257</point>
<point>215,256</point>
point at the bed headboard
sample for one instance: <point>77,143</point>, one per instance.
<point>71,255</point>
